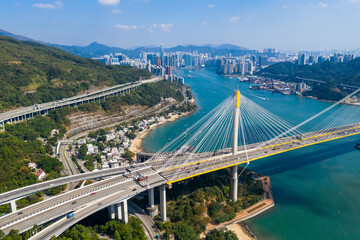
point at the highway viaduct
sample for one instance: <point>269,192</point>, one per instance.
<point>162,172</point>
<point>24,113</point>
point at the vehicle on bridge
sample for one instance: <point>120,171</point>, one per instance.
<point>139,179</point>
<point>70,215</point>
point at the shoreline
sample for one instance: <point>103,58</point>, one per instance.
<point>136,143</point>
<point>250,212</point>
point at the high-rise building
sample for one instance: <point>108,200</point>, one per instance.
<point>302,59</point>
<point>312,59</point>
<point>263,61</point>
<point>270,50</point>
<point>168,70</point>
<point>162,54</point>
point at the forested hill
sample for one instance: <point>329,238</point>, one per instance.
<point>335,73</point>
<point>33,73</point>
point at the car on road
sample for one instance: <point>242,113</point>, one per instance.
<point>93,193</point>
<point>74,203</point>
<point>134,189</point>
<point>99,204</point>
<point>70,215</point>
<point>19,213</point>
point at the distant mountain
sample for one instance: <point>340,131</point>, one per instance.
<point>92,50</point>
<point>18,37</point>
<point>96,49</point>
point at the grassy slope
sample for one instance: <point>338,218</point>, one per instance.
<point>52,73</point>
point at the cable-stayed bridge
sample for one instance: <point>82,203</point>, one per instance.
<point>237,131</point>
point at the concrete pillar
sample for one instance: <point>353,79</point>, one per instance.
<point>111,210</point>
<point>124,212</point>
<point>234,169</point>
<point>151,197</point>
<point>163,202</point>
<point>118,211</point>
<point>12,206</point>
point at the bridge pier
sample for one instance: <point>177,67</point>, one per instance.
<point>12,206</point>
<point>124,212</point>
<point>234,183</point>
<point>111,210</point>
<point>163,202</point>
<point>118,211</point>
<point>152,209</point>
<point>151,197</point>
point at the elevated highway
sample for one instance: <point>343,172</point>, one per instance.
<point>25,113</point>
<point>160,172</point>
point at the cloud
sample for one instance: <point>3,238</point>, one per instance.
<point>55,5</point>
<point>116,11</point>
<point>234,19</point>
<point>211,5</point>
<point>322,5</point>
<point>161,27</point>
<point>126,27</point>
<point>109,2</point>
<point>204,23</point>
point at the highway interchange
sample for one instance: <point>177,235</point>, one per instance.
<point>122,184</point>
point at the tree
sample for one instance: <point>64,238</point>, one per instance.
<point>221,235</point>
<point>117,235</point>
<point>128,155</point>
<point>185,232</point>
<point>83,151</point>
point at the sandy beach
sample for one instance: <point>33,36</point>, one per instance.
<point>239,231</point>
<point>136,147</point>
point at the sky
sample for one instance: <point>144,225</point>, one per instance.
<point>255,24</point>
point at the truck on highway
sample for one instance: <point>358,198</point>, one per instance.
<point>139,179</point>
<point>70,215</point>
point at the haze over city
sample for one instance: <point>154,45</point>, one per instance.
<point>286,25</point>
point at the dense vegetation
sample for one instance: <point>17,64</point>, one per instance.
<point>345,73</point>
<point>205,199</point>
<point>133,230</point>
<point>33,73</point>
<point>329,72</point>
<point>21,144</point>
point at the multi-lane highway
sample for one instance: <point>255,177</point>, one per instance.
<point>164,170</point>
<point>27,112</point>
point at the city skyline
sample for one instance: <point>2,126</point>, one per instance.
<point>309,25</point>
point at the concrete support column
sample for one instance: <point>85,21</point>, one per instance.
<point>234,183</point>
<point>111,210</point>
<point>151,197</point>
<point>124,212</point>
<point>12,206</point>
<point>234,169</point>
<point>163,202</point>
<point>118,211</point>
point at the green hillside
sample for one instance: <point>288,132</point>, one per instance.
<point>33,73</point>
<point>346,73</point>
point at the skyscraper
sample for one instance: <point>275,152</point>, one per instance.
<point>162,54</point>
<point>263,61</point>
<point>302,59</point>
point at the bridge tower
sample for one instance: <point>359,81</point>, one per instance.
<point>234,169</point>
